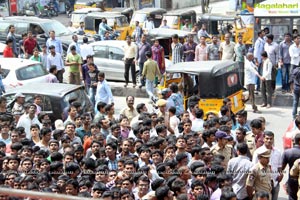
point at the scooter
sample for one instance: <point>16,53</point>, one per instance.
<point>50,10</point>
<point>113,35</point>
<point>30,9</point>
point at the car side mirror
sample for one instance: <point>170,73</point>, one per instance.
<point>111,52</point>
<point>43,36</point>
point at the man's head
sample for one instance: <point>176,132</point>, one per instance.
<point>73,49</point>
<point>52,34</point>
<point>128,40</point>
<point>268,139</point>
<point>264,156</point>
<point>270,38</point>
<point>242,148</point>
<point>227,37</point>
<point>52,49</point>
<point>175,38</point>
<point>130,101</point>
<point>11,28</point>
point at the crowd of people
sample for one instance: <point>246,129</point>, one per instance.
<point>166,153</point>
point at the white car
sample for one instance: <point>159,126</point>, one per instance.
<point>17,72</point>
<point>108,58</point>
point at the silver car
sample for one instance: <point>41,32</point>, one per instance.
<point>108,57</point>
<point>17,72</point>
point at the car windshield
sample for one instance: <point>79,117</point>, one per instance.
<point>31,71</point>
<point>58,27</point>
<point>141,17</point>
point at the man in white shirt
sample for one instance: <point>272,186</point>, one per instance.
<point>148,25</point>
<point>226,49</point>
<point>294,51</point>
<point>250,78</point>
<point>130,50</point>
<point>266,83</point>
<point>272,49</point>
<point>26,120</point>
<point>86,50</point>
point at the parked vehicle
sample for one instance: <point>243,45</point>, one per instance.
<point>128,12</point>
<point>165,38</point>
<point>39,27</point>
<point>216,81</point>
<point>175,18</point>
<point>141,15</point>
<point>55,97</point>
<point>221,24</point>
<point>109,56</point>
<point>30,9</point>
<point>50,10</point>
<point>17,72</point>
<point>117,22</point>
<point>78,15</point>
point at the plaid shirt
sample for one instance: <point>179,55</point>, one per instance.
<point>112,164</point>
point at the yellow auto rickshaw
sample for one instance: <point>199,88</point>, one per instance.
<point>164,36</point>
<point>218,24</point>
<point>79,15</point>
<point>216,81</point>
<point>117,22</point>
<point>91,4</point>
<point>141,16</point>
<point>128,12</point>
<point>176,18</point>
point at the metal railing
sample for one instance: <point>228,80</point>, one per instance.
<point>37,195</point>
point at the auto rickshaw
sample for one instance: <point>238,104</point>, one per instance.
<point>90,4</point>
<point>175,18</point>
<point>141,15</point>
<point>128,12</point>
<point>165,38</point>
<point>218,24</point>
<point>216,81</point>
<point>79,15</point>
<point>117,22</point>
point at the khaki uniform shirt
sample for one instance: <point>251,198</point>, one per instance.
<point>250,141</point>
<point>130,114</point>
<point>227,152</point>
<point>295,171</point>
<point>260,178</point>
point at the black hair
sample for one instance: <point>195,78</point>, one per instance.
<point>256,123</point>
<point>242,148</point>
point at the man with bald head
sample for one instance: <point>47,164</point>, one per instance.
<point>250,78</point>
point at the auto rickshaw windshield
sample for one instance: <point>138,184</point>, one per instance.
<point>122,21</point>
<point>140,17</point>
<point>171,20</point>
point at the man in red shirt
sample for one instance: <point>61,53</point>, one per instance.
<point>29,44</point>
<point>8,51</point>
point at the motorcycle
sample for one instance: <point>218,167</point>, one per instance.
<point>50,10</point>
<point>113,35</point>
<point>30,9</point>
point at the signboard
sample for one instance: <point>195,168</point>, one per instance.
<point>146,4</point>
<point>277,8</point>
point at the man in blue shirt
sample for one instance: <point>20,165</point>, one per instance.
<point>55,42</point>
<point>103,27</point>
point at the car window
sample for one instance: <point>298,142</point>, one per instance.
<point>31,71</point>
<point>59,28</point>
<point>4,27</point>
<point>100,51</point>
<point>21,28</point>
<point>36,29</point>
<point>29,98</point>
<point>78,94</point>
<point>4,72</point>
<point>115,53</point>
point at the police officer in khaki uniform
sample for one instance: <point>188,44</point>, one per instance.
<point>295,173</point>
<point>251,138</point>
<point>221,148</point>
<point>259,178</point>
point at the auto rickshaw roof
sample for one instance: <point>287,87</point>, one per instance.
<point>184,11</point>
<point>160,33</point>
<point>121,10</point>
<point>87,10</point>
<point>218,17</point>
<point>151,10</point>
<point>105,14</point>
<point>216,67</point>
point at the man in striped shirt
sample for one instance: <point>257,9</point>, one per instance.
<point>177,49</point>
